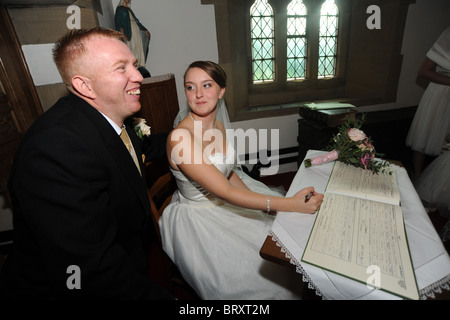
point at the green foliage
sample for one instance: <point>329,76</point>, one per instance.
<point>355,148</point>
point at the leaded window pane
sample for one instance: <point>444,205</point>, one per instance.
<point>329,15</point>
<point>262,41</point>
<point>296,40</point>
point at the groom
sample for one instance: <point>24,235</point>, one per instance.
<point>80,203</point>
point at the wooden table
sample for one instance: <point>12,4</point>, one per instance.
<point>270,251</point>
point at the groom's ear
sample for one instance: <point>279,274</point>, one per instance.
<point>82,85</point>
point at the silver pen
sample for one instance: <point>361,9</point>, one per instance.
<point>308,196</point>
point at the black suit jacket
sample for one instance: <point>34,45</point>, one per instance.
<point>79,200</point>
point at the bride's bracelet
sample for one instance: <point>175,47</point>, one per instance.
<point>268,210</point>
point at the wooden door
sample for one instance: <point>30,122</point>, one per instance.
<point>19,102</point>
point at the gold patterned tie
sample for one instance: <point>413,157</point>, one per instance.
<point>126,140</point>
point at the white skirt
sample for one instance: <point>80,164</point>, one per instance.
<point>433,186</point>
<point>431,122</point>
<point>216,246</point>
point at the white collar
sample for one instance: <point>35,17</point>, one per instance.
<point>113,124</point>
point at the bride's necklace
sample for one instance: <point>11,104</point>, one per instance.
<point>197,123</point>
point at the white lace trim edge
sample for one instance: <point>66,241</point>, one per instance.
<point>298,267</point>
<point>436,287</point>
<point>427,292</point>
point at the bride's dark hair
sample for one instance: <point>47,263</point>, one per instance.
<point>214,70</point>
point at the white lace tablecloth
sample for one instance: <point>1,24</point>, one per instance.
<point>430,259</point>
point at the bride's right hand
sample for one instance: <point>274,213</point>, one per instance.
<point>308,206</point>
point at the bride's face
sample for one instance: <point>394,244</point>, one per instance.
<point>202,92</point>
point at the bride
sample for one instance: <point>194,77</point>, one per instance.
<point>218,218</point>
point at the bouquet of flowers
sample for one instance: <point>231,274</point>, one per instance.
<point>141,128</point>
<point>351,146</point>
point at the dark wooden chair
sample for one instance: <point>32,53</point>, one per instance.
<point>160,194</point>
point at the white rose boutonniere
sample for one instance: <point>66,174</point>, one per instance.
<point>141,128</point>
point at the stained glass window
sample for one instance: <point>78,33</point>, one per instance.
<point>296,40</point>
<point>263,41</point>
<point>328,39</point>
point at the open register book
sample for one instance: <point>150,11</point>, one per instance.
<point>359,231</point>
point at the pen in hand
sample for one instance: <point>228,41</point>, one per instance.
<point>308,196</point>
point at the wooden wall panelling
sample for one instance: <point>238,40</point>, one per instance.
<point>19,102</point>
<point>159,107</point>
<point>37,25</point>
<point>159,102</point>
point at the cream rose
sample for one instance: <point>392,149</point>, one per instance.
<point>356,134</point>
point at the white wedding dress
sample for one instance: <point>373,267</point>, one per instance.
<point>216,245</point>
<point>431,123</point>
<point>433,185</point>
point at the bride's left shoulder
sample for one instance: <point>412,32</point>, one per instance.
<point>220,125</point>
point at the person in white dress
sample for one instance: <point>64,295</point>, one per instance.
<point>431,122</point>
<point>215,225</point>
<point>433,186</point>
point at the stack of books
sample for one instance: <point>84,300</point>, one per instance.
<point>331,114</point>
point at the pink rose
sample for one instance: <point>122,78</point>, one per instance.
<point>366,159</point>
<point>356,134</point>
